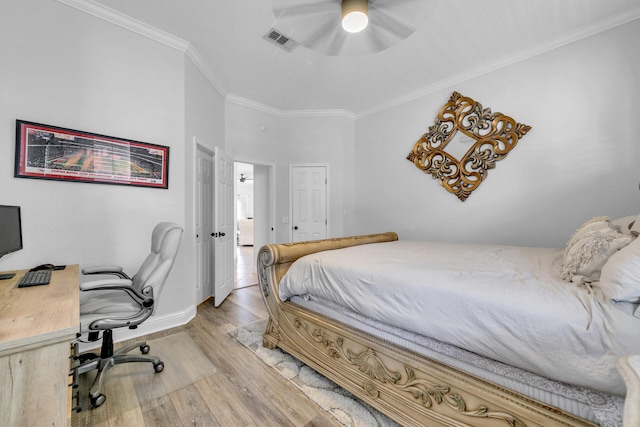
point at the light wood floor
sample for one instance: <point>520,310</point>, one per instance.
<point>243,391</point>
<point>245,265</point>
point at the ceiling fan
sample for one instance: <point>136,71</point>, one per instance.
<point>323,25</point>
<point>244,178</point>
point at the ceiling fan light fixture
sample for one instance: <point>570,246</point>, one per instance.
<point>355,15</point>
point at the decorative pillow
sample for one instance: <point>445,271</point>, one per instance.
<point>625,224</point>
<point>635,227</point>
<point>620,277</point>
<point>599,223</point>
<point>583,260</point>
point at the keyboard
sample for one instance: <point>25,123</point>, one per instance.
<point>35,278</point>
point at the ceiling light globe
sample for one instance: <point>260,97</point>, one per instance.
<point>354,22</point>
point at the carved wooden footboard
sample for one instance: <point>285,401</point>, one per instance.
<point>411,389</point>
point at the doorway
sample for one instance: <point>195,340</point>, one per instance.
<point>255,213</point>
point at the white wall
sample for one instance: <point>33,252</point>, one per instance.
<point>579,160</point>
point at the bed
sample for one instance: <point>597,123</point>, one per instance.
<point>487,348</point>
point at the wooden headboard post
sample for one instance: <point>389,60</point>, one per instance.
<point>274,261</point>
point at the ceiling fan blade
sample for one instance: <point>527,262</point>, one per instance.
<point>380,17</point>
<point>404,5</point>
<point>285,8</point>
<point>337,43</point>
<point>326,37</point>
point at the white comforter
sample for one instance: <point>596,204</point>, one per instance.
<point>503,302</point>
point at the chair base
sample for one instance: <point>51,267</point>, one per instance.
<point>107,359</point>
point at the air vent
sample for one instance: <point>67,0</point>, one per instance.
<point>276,37</point>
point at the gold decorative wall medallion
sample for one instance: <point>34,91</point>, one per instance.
<point>492,135</point>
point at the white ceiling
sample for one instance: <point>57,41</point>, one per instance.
<point>455,40</point>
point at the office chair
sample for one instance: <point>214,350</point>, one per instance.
<point>123,302</point>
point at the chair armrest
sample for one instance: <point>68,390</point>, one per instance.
<point>144,298</point>
<point>105,269</point>
<point>104,284</point>
<point>130,322</point>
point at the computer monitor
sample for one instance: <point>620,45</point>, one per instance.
<point>10,229</point>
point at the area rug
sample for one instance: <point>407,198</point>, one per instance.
<point>342,405</point>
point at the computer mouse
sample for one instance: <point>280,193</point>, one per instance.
<point>43,267</point>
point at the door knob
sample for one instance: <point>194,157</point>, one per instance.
<point>295,227</point>
<point>213,234</point>
<point>222,234</point>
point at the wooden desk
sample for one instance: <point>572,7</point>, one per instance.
<point>37,325</point>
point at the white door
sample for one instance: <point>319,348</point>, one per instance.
<point>223,230</point>
<point>308,203</point>
<point>204,223</point>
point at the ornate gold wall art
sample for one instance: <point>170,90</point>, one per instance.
<point>493,136</point>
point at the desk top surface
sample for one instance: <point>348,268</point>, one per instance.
<point>35,315</point>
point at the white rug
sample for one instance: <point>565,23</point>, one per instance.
<point>345,408</point>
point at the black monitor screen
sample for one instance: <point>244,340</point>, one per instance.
<point>10,229</point>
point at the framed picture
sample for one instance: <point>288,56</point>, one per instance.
<point>50,152</point>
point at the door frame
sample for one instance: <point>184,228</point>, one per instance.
<point>271,222</point>
<point>327,195</point>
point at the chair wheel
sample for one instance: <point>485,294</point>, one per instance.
<point>144,349</point>
<point>159,367</point>
<point>97,401</point>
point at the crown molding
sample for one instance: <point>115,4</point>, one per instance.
<point>128,23</point>
<point>200,63</point>
<point>604,25</point>
<point>113,16</point>
<point>249,103</point>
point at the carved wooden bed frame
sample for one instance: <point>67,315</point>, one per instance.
<point>409,388</point>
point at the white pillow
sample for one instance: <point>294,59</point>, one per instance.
<point>624,224</point>
<point>595,224</point>
<point>584,259</point>
<point>620,277</point>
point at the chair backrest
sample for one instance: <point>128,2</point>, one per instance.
<point>165,241</point>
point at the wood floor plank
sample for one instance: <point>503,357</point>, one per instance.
<point>227,410</point>
<point>129,418</point>
<point>161,413</point>
<point>192,408</point>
